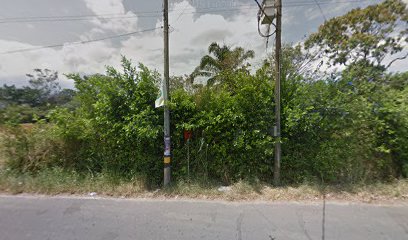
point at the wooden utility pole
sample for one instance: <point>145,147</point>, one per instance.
<point>278,151</point>
<point>167,139</point>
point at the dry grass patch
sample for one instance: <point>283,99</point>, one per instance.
<point>243,191</point>
<point>57,181</point>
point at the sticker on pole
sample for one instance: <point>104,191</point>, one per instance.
<point>167,150</point>
<point>167,160</point>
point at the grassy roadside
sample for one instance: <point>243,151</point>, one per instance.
<point>54,182</point>
<point>2,152</point>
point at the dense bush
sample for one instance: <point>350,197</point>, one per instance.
<point>347,126</point>
<point>116,128</point>
<point>350,125</point>
<point>231,127</point>
<point>339,129</point>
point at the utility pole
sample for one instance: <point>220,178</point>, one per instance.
<point>167,139</point>
<point>266,15</point>
<point>278,151</point>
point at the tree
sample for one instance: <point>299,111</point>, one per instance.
<point>27,103</point>
<point>45,83</point>
<point>221,59</point>
<point>365,36</point>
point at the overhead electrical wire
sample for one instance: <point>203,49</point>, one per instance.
<point>110,16</point>
<point>71,19</point>
<point>79,42</point>
<point>321,10</point>
<point>181,14</point>
<point>78,16</point>
<point>118,16</point>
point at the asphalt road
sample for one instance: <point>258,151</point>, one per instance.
<point>41,218</point>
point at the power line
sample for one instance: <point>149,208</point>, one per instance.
<point>109,16</point>
<point>79,16</point>
<point>72,19</point>
<point>321,11</point>
<point>80,42</point>
<point>181,14</point>
<point>100,17</point>
<point>300,4</point>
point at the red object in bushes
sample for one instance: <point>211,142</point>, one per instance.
<point>187,135</point>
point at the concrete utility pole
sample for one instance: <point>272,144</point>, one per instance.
<point>278,151</point>
<point>167,139</point>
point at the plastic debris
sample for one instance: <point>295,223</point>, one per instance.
<point>224,189</point>
<point>93,194</point>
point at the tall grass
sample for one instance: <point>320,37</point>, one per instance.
<point>58,181</point>
<point>2,149</point>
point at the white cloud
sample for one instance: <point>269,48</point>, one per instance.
<point>191,37</point>
<point>191,34</point>
<point>113,17</point>
<point>105,6</point>
<point>85,58</point>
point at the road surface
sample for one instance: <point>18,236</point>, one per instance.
<point>67,218</point>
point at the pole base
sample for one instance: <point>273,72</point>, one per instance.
<point>167,175</point>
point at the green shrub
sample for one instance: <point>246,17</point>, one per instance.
<point>116,128</point>
<point>29,149</point>
<point>230,124</point>
<point>341,129</point>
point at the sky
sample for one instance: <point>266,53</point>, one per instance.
<point>194,24</point>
